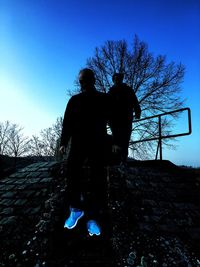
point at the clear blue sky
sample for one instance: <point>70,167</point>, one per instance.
<point>43,45</point>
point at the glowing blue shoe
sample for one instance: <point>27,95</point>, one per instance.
<point>75,215</point>
<point>93,228</point>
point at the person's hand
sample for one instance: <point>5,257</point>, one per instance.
<point>62,149</point>
<point>138,115</point>
<point>116,149</point>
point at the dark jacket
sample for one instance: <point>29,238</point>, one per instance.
<point>123,103</point>
<point>85,121</point>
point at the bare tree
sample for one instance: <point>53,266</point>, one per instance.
<point>36,147</point>
<point>4,133</point>
<point>13,141</point>
<point>47,143</point>
<point>155,82</point>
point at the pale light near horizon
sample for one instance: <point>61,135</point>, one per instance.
<point>17,106</point>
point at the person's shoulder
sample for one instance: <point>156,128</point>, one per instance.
<point>128,88</point>
<point>75,98</point>
<point>102,97</point>
<point>125,85</point>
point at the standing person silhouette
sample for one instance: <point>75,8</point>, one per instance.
<point>85,123</point>
<point>123,103</point>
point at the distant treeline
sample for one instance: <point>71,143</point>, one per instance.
<point>14,143</point>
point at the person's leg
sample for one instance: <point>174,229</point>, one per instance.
<point>96,197</point>
<point>97,191</point>
<point>124,150</point>
<point>74,189</point>
<point>124,140</point>
<point>74,182</point>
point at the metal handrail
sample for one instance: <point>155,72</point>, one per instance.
<point>160,137</point>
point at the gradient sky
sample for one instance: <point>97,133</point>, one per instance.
<point>44,44</point>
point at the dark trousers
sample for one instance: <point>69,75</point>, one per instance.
<point>121,137</point>
<point>86,181</point>
<point>124,144</point>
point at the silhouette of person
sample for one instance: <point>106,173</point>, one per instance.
<point>123,103</point>
<point>85,123</point>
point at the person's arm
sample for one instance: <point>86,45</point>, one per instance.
<point>67,126</point>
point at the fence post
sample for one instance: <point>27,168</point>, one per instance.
<point>160,136</point>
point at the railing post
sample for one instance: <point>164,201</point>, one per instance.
<point>160,136</point>
<point>189,120</point>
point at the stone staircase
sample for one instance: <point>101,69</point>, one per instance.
<point>22,201</point>
<point>160,225</point>
<point>152,219</point>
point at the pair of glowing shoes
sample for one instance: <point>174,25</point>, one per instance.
<point>75,215</point>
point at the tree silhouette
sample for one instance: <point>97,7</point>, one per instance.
<point>155,82</point>
<point>12,140</point>
<point>47,143</point>
<point>4,133</point>
<point>13,143</point>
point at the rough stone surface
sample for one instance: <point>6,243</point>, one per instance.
<point>160,222</point>
<point>152,219</point>
<point>22,198</point>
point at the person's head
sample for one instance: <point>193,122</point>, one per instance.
<point>86,79</point>
<point>117,78</point>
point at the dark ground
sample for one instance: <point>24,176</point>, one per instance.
<point>152,218</point>
<point>9,165</point>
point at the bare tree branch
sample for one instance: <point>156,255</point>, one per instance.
<point>155,81</point>
<point>47,143</point>
<point>15,143</point>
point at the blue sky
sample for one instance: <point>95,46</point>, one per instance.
<point>44,44</point>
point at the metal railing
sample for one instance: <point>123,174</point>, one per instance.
<point>160,136</point>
